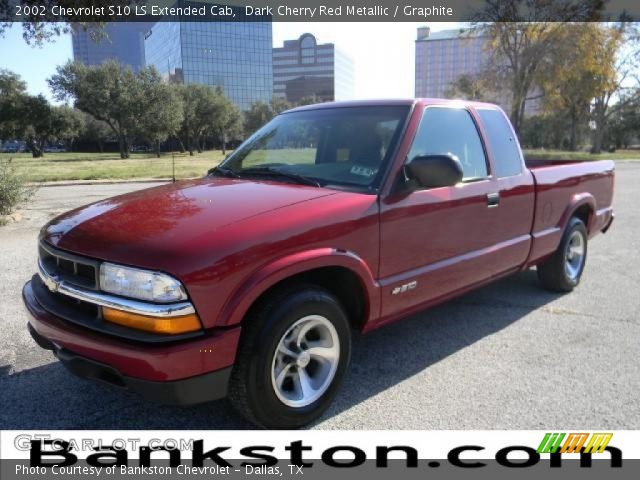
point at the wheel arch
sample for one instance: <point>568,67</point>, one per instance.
<point>582,206</point>
<point>342,273</point>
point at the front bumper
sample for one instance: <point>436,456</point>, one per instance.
<point>189,391</point>
<point>189,371</point>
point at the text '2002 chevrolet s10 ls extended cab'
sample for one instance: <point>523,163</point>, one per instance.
<point>331,218</point>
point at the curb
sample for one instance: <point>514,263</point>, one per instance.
<point>70,183</point>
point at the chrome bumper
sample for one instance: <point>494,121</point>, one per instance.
<point>55,284</point>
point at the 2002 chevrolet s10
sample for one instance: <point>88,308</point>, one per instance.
<point>333,217</point>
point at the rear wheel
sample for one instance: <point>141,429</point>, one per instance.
<point>294,351</point>
<point>562,271</point>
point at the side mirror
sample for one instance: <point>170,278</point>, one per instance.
<point>433,171</point>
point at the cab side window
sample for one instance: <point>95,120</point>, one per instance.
<point>445,130</point>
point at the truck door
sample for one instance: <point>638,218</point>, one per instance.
<point>438,241</point>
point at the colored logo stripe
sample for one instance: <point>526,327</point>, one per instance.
<point>574,442</point>
<point>598,442</point>
<point>551,442</point>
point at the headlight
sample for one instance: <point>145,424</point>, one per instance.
<point>140,284</point>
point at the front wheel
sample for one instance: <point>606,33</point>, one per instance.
<point>294,351</point>
<point>562,271</point>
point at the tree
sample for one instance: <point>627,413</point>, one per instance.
<point>95,131</point>
<point>547,130</point>
<point>35,122</point>
<point>162,109</point>
<point>569,75</point>
<point>228,124</point>
<point>471,87</point>
<point>619,57</point>
<point>520,34</point>
<point>41,25</point>
<point>109,92</point>
<point>279,105</point>
<point>202,105</point>
<point>12,89</point>
<point>624,124</point>
<point>259,114</point>
<point>33,118</point>
<point>39,122</point>
<point>67,124</point>
<point>308,100</point>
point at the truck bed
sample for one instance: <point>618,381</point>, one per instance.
<point>562,187</point>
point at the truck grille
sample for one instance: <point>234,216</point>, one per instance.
<point>73,269</point>
<point>63,306</point>
<point>84,273</point>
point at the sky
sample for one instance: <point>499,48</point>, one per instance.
<point>383,54</point>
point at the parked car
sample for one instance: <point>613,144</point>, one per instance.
<point>12,147</point>
<point>54,149</point>
<point>331,218</point>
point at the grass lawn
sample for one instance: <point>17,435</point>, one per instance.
<point>564,155</point>
<point>109,166</point>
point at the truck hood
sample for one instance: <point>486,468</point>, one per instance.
<point>171,220</point>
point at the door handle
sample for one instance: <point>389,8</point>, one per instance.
<point>493,199</point>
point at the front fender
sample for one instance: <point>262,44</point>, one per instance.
<point>261,280</point>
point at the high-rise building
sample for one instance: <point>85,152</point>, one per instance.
<point>123,42</point>
<point>442,57</point>
<point>304,68</point>
<point>233,55</point>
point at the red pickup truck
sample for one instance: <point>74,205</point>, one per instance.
<point>337,217</point>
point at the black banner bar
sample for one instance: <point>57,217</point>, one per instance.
<point>86,11</point>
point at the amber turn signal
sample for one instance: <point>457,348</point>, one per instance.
<point>169,325</point>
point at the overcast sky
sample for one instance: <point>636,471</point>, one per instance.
<point>383,54</point>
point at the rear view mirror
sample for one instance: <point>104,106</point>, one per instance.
<point>433,171</point>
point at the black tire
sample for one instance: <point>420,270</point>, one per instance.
<point>552,273</point>
<point>251,390</point>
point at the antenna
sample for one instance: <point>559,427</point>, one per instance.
<point>173,154</point>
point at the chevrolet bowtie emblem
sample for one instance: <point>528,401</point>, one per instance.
<point>51,283</point>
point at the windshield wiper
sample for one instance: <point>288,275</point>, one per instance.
<point>268,171</point>
<point>223,171</point>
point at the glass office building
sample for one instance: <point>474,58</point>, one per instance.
<point>304,68</point>
<point>233,55</point>
<point>124,43</point>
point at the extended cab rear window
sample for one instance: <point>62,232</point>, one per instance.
<point>502,142</point>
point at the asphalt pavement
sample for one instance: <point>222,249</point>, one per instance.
<point>507,356</point>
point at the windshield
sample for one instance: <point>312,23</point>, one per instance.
<point>344,146</point>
